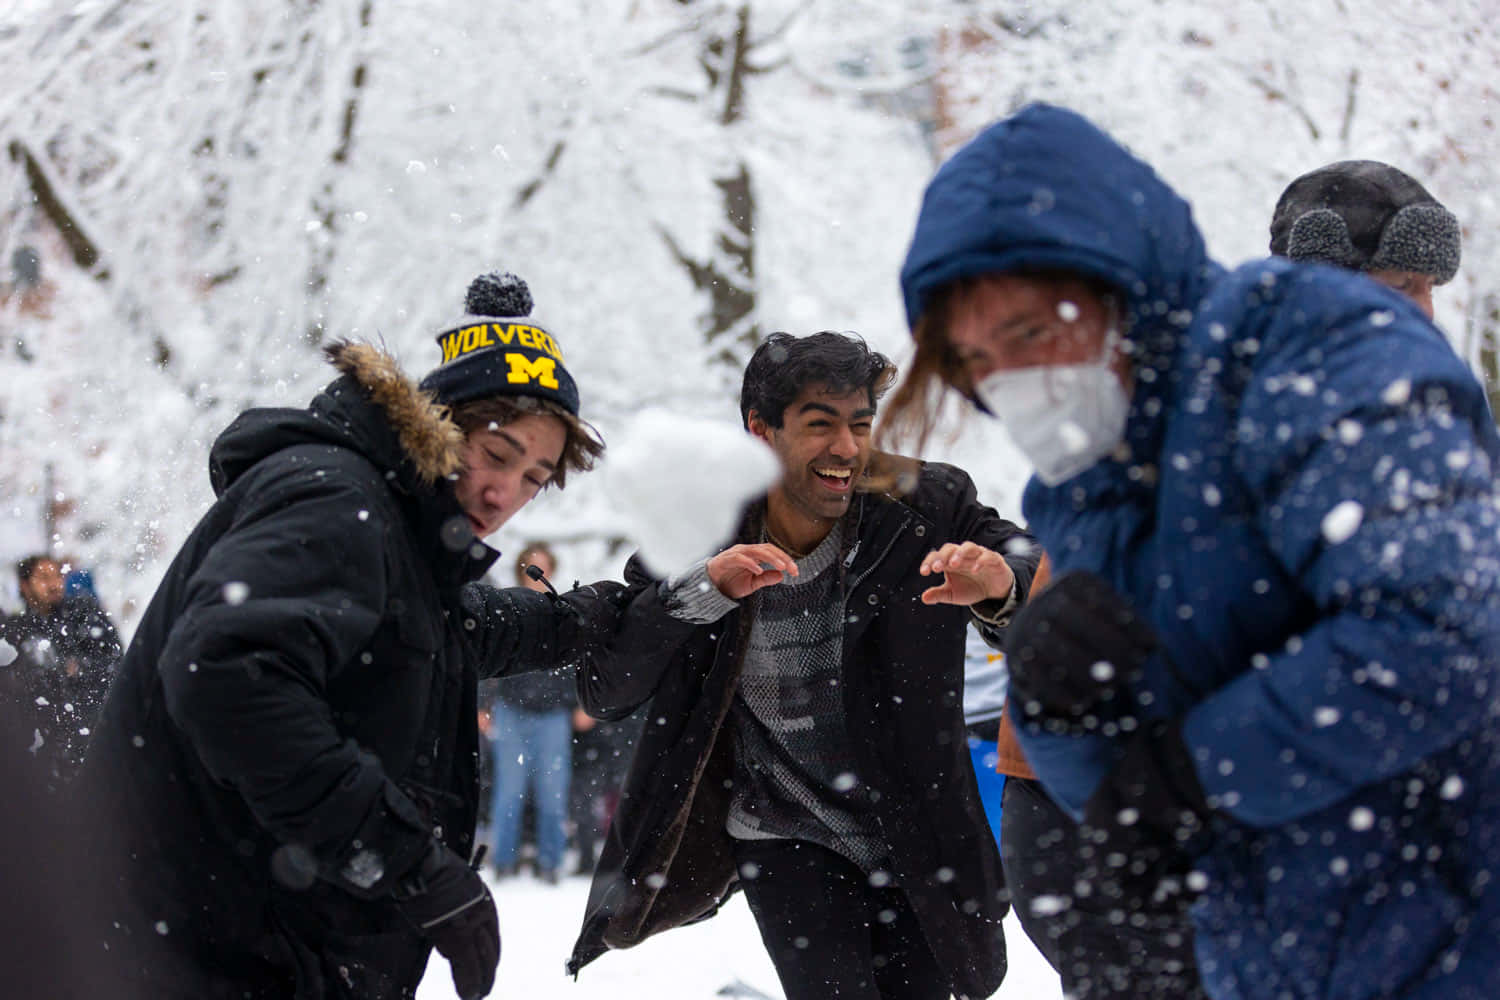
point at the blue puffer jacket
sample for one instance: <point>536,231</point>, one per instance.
<point>1308,518</point>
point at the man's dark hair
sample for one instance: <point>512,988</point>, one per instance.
<point>28,566</point>
<point>785,365</point>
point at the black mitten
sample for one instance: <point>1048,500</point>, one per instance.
<point>1073,646</point>
<point>451,906</point>
<point>1140,822</point>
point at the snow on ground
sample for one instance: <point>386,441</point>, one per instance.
<point>539,922</point>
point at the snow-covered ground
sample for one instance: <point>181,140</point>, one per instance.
<point>539,922</point>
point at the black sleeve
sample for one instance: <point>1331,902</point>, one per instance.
<point>286,596</point>
<point>978,522</point>
<point>517,630</point>
<point>627,663</point>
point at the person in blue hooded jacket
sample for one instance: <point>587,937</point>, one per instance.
<point>1265,675</point>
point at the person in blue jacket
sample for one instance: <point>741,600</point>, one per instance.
<point>1265,675</point>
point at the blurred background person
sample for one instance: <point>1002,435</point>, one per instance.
<point>531,733</point>
<point>601,755</point>
<point>1368,216</point>
<point>60,653</point>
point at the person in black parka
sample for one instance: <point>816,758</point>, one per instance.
<point>62,652</point>
<point>286,772</point>
<point>804,739</point>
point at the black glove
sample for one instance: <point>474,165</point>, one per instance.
<point>1140,825</point>
<point>1073,646</point>
<point>451,906</point>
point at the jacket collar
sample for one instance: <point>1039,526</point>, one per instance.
<point>427,435</point>
<point>430,446</point>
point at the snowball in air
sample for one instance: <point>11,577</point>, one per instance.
<point>681,482</point>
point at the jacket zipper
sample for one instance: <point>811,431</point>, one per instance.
<point>849,559</point>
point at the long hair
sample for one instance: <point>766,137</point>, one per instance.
<point>911,415</point>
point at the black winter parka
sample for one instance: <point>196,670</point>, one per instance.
<point>63,661</point>
<point>295,720</point>
<point>668,861</point>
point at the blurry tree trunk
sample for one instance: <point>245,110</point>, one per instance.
<point>1484,329</point>
<point>83,249</point>
<point>739,66</point>
<point>531,187</point>
<point>325,203</point>
<point>728,274</point>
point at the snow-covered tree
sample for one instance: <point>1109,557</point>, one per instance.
<point>195,195</point>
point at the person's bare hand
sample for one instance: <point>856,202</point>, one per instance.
<point>971,573</point>
<point>741,570</point>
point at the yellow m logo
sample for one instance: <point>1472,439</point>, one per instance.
<point>543,371</point>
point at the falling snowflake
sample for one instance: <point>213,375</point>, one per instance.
<point>1049,905</point>
<point>1397,392</point>
<point>1326,715</point>
<point>1342,521</point>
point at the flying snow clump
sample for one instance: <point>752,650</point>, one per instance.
<point>680,483</point>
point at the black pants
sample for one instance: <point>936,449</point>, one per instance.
<point>831,934</point>
<point>1099,955</point>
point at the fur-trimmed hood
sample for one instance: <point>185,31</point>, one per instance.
<point>375,409</point>
<point>376,412</point>
<point>430,439</point>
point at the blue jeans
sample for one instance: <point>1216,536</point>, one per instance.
<point>533,751</point>
<point>991,782</point>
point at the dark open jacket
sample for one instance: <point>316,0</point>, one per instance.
<point>668,860</point>
<point>295,720</point>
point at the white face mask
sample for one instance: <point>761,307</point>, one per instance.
<point>1062,417</point>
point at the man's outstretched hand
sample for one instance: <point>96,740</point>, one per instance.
<point>741,570</point>
<point>971,573</point>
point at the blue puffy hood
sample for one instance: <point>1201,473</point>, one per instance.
<point>1047,190</point>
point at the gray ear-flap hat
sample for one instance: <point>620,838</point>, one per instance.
<point>1366,216</point>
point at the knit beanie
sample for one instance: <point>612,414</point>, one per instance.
<point>497,349</point>
<point>1366,216</point>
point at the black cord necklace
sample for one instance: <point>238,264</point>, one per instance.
<point>783,546</point>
